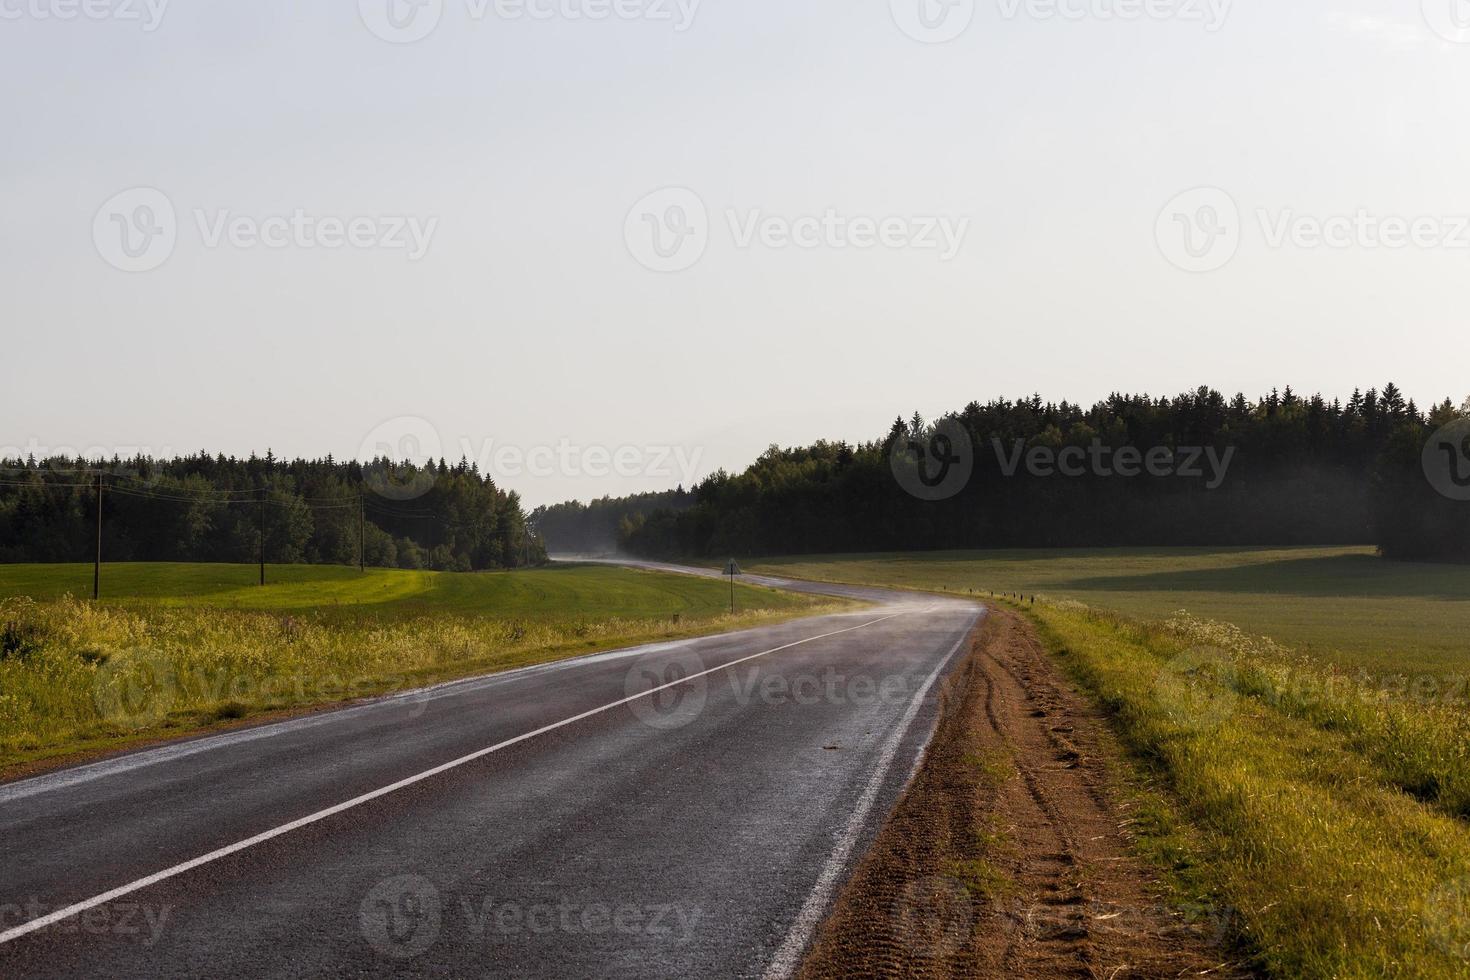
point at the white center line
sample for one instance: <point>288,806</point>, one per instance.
<point>215,855</point>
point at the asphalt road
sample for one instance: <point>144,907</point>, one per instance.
<point>682,809</point>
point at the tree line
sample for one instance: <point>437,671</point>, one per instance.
<point>205,508</point>
<point>1198,469</point>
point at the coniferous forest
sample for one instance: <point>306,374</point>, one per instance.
<point>1283,469</point>
<point>206,508</point>
<point>1299,471</point>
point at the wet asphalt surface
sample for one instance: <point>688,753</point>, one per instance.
<point>698,830</point>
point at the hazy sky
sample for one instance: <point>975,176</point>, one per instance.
<point>574,224</point>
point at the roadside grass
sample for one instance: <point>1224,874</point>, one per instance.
<point>1341,605</point>
<point>190,648</point>
<point>1332,869</point>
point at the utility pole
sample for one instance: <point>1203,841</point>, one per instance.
<point>361,534</point>
<point>262,535</point>
<point>97,563</point>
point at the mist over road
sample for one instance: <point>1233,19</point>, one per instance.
<point>686,808</point>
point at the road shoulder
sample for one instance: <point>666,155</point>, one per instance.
<point>1010,854</point>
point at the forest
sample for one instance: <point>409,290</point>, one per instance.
<point>1301,470</point>
<point>205,508</point>
<point>1282,469</point>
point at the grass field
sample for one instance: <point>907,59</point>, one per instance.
<point>1344,605</point>
<point>176,648</point>
<point>1308,724</point>
<point>555,592</point>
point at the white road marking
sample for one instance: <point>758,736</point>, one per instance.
<point>62,779</point>
<point>788,957</point>
<point>215,855</point>
<point>36,785</point>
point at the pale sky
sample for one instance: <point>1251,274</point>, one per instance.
<point>1050,139</point>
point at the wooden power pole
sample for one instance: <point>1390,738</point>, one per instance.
<point>262,535</point>
<point>97,562</point>
<point>361,534</point>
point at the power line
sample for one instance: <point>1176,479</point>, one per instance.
<point>174,498</point>
<point>43,485</point>
<point>44,470</point>
<point>150,486</point>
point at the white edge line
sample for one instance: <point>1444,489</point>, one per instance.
<point>789,955</point>
<point>215,855</point>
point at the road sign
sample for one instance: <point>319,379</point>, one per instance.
<point>732,570</point>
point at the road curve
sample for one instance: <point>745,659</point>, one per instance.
<point>679,809</point>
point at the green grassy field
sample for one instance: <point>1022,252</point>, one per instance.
<point>174,649</point>
<point>1344,605</point>
<point>555,592</point>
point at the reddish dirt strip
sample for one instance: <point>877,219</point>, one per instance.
<point>1009,854</point>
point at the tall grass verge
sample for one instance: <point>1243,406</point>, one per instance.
<point>77,675</point>
<point>1327,811</point>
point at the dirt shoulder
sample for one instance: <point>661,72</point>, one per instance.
<point>1009,856</point>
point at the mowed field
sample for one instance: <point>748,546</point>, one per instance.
<point>1344,605</point>
<point>555,592</point>
<point>173,649</point>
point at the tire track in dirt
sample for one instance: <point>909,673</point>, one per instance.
<point>1008,857</point>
